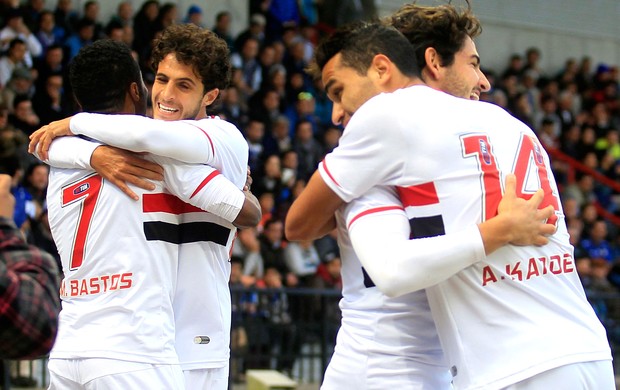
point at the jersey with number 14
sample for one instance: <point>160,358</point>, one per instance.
<point>523,310</point>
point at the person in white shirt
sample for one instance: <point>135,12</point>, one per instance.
<point>120,257</point>
<point>16,28</point>
<point>508,316</point>
<point>191,66</point>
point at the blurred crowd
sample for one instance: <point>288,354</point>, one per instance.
<point>286,118</point>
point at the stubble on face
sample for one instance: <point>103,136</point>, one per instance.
<point>177,91</point>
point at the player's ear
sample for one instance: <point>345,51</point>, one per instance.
<point>210,97</point>
<point>433,62</point>
<point>134,91</point>
<point>381,68</point>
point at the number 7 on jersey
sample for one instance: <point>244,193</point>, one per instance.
<point>86,191</point>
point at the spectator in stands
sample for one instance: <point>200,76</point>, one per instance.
<point>53,62</point>
<point>16,28</point>
<point>270,178</point>
<point>272,250</point>
<point>597,246</point>
<point>254,133</point>
<point>278,140</point>
<point>167,16</point>
<point>47,32</point>
<point>255,30</point>
<point>48,102</point>
<point>308,149</point>
<point>29,283</point>
<point>21,83</point>
<point>145,27</point>
<point>246,60</point>
<point>65,16</point>
<point>221,28</point>
<point>91,13</point>
<point>303,260</point>
<point>84,35</point>
<point>582,190</point>
<point>124,14</point>
<point>14,58</point>
<point>31,12</point>
<point>23,116</point>
<point>194,16</point>
<point>265,107</point>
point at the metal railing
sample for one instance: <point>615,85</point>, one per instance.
<point>294,331</point>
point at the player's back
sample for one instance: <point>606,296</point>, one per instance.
<point>525,304</point>
<point>117,288</point>
<point>202,305</point>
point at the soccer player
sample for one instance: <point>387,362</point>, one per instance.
<point>120,257</point>
<point>191,66</point>
<point>508,316</point>
<point>443,40</point>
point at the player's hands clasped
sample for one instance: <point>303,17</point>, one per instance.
<point>41,139</point>
<point>528,222</point>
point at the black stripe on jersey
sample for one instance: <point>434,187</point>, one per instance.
<point>186,232</point>
<point>367,280</point>
<point>422,227</point>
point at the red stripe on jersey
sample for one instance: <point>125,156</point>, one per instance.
<point>166,203</point>
<point>418,195</point>
<point>372,211</point>
<point>329,173</point>
<point>205,182</point>
<point>209,138</point>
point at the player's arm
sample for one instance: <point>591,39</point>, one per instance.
<point>118,166</point>
<point>398,265</point>
<point>204,187</point>
<point>181,140</point>
<point>311,215</point>
<point>363,158</point>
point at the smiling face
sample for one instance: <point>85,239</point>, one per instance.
<point>346,88</point>
<point>178,92</point>
<point>463,78</point>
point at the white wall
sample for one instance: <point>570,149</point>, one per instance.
<point>559,28</point>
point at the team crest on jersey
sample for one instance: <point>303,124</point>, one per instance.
<point>484,152</point>
<point>81,189</point>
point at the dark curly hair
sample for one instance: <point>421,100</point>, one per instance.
<point>199,48</point>
<point>101,74</point>
<point>442,27</point>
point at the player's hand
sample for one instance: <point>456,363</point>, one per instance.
<point>7,200</point>
<point>527,221</point>
<point>41,139</point>
<point>248,180</point>
<point>121,167</point>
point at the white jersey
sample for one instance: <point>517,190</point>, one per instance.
<point>120,258</point>
<point>522,310</point>
<point>391,335</point>
<point>202,303</point>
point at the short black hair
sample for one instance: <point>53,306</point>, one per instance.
<point>101,74</point>
<point>358,43</point>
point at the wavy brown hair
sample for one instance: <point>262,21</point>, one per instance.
<point>442,27</point>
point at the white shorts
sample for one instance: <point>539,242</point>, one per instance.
<point>353,366</point>
<point>597,375</point>
<point>206,378</point>
<point>110,374</point>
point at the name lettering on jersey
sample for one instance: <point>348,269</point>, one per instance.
<point>534,267</point>
<point>182,233</point>
<point>96,285</point>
